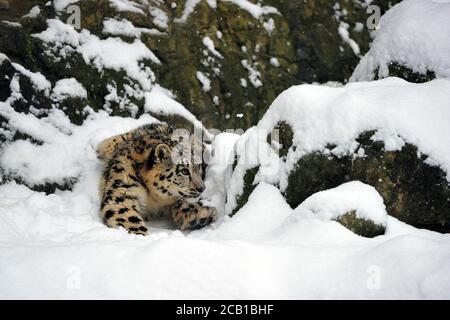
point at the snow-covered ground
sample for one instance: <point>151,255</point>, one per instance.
<point>55,246</point>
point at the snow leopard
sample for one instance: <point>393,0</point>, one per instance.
<point>142,179</point>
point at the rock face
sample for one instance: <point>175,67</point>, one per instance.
<point>258,57</point>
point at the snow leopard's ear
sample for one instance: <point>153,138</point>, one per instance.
<point>160,154</point>
<point>163,153</point>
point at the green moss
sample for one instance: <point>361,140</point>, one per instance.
<point>321,54</point>
<point>249,186</point>
<point>398,70</point>
<point>363,227</point>
<point>285,137</point>
<point>312,173</point>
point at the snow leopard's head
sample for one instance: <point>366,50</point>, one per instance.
<point>173,172</point>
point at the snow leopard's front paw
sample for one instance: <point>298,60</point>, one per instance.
<point>192,216</point>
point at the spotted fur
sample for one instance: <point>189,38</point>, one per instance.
<point>189,215</point>
<point>142,180</point>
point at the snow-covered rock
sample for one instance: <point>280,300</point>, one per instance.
<point>68,88</point>
<point>101,52</point>
<point>355,205</point>
<point>414,34</point>
<point>389,133</point>
<point>126,28</point>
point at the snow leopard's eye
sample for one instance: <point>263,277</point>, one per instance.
<point>185,171</point>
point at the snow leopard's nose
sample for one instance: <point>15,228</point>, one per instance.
<point>201,188</point>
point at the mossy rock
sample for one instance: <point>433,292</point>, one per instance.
<point>249,186</point>
<point>362,227</point>
<point>401,71</point>
<point>321,54</point>
<point>284,135</point>
<point>7,70</point>
<point>413,191</point>
<point>305,41</point>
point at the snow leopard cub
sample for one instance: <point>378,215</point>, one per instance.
<point>141,180</point>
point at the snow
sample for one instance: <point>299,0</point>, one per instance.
<point>212,3</point>
<point>358,27</point>
<point>351,196</point>
<point>209,44</point>
<point>126,28</point>
<point>3,58</point>
<point>218,165</point>
<point>66,88</point>
<point>102,53</point>
<point>264,252</point>
<point>269,26</point>
<point>61,5</point>
<point>187,11</point>
<point>59,33</point>
<point>256,10</point>
<point>321,115</point>
<point>126,6</point>
<point>58,158</point>
<point>414,33</point>
<point>160,18</point>
<point>274,62</point>
<point>268,250</point>
<point>34,12</point>
<point>345,35</point>
<point>161,101</point>
<point>12,24</point>
<point>253,74</point>
<point>265,211</point>
<point>122,100</point>
<point>206,83</point>
<point>37,79</point>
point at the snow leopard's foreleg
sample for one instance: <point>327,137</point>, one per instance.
<point>191,216</point>
<point>121,194</point>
